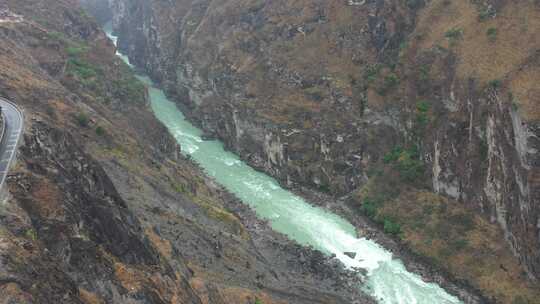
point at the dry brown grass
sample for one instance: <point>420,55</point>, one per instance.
<point>89,297</point>
<point>133,280</point>
<point>525,86</point>
<point>516,25</point>
<point>49,199</point>
<point>163,246</point>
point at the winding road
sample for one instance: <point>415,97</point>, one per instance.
<point>13,129</point>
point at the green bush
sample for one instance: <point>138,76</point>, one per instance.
<point>391,227</point>
<point>372,72</point>
<point>492,34</point>
<point>495,83</point>
<point>100,131</point>
<point>424,72</point>
<point>422,106</point>
<point>258,301</point>
<point>74,51</point>
<point>422,116</point>
<point>393,155</point>
<point>453,35</point>
<point>458,245</point>
<point>56,36</point>
<point>410,167</point>
<point>406,162</point>
<point>82,119</point>
<point>130,89</point>
<point>486,13</point>
<point>369,208</point>
<point>463,221</point>
<point>31,234</point>
<point>519,300</point>
<point>81,68</point>
<point>390,82</point>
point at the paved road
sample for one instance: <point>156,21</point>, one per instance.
<point>8,145</point>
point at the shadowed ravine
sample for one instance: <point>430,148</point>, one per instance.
<point>387,278</point>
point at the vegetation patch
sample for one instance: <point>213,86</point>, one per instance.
<point>82,119</point>
<point>492,34</point>
<point>454,35</point>
<point>390,82</point>
<point>495,83</point>
<point>130,89</point>
<point>451,236</point>
<point>422,118</point>
<point>81,68</point>
<point>407,163</point>
<point>100,131</point>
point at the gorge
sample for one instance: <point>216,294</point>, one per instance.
<point>270,152</point>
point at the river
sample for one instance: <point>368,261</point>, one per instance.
<point>387,279</point>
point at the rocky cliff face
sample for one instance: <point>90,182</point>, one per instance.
<point>317,92</point>
<point>102,208</point>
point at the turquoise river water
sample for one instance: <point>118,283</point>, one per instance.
<point>387,279</point>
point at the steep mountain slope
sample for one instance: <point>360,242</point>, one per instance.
<point>405,106</point>
<point>101,206</point>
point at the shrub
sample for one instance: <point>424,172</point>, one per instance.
<point>258,301</point>
<point>422,106</point>
<point>390,82</point>
<point>483,149</point>
<point>424,72</point>
<point>403,45</point>
<point>81,68</point>
<point>369,208</point>
<point>495,83</point>
<point>486,13</point>
<point>129,89</point>
<point>459,244</point>
<point>492,34</point>
<point>372,72</point>
<point>453,35</point>
<point>73,51</point>
<point>393,155</point>
<point>100,131</point>
<point>464,221</point>
<point>31,234</point>
<point>410,167</point>
<point>82,119</point>
<point>406,162</point>
<point>519,300</point>
<point>56,35</point>
<point>391,227</point>
<point>422,116</point>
